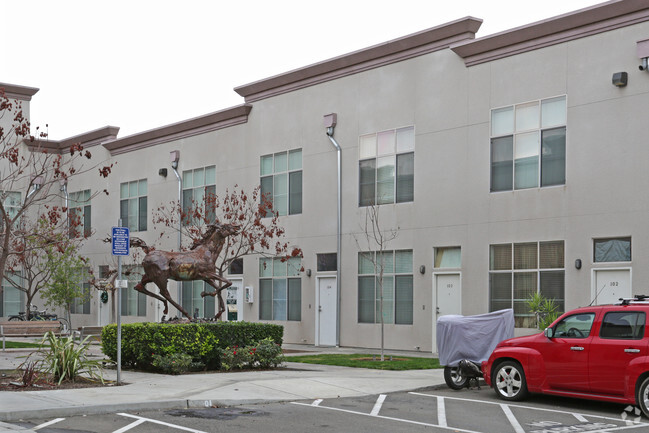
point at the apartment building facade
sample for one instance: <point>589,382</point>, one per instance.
<point>508,165</point>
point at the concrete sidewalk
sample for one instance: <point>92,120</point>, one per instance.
<point>147,391</point>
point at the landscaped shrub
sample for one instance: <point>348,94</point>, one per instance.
<point>176,363</point>
<point>202,341</point>
<point>264,354</point>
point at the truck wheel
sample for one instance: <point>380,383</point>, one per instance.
<point>509,381</point>
<point>454,378</point>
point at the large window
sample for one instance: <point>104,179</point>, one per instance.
<point>81,305</point>
<point>11,202</point>
<point>199,189</point>
<point>133,205</point>
<point>517,271</point>
<point>280,289</point>
<point>192,301</point>
<point>528,145</point>
<point>612,250</point>
<point>397,287</point>
<point>133,302</point>
<point>12,300</point>
<point>281,181</point>
<point>80,212</point>
<point>386,168</point>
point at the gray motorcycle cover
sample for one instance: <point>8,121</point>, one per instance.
<point>472,337</point>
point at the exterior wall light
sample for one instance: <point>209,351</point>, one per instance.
<point>308,272</point>
<point>162,172</point>
<point>620,79</point>
<point>422,269</point>
<point>578,263</point>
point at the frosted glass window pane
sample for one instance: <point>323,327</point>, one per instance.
<point>266,164</point>
<point>199,177</point>
<point>367,146</point>
<point>280,186</point>
<point>405,139</point>
<point>123,190</point>
<point>281,162</point>
<point>132,189</point>
<point>385,259</point>
<point>448,257</point>
<point>188,179</point>
<point>210,175</point>
<point>553,112</point>
<point>279,268</point>
<point>388,300</point>
<point>386,142</point>
<point>527,145</point>
<point>295,159</point>
<point>502,121</point>
<point>365,265</point>
<point>279,299</point>
<point>366,297</point>
<point>293,265</point>
<point>142,187</point>
<point>403,262</point>
<point>527,116</point>
<point>265,267</point>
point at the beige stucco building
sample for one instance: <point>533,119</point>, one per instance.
<point>509,164</point>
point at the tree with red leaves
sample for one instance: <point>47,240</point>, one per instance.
<point>260,232</point>
<point>32,173</point>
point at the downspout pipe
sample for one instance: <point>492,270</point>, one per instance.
<point>330,124</point>
<point>175,156</point>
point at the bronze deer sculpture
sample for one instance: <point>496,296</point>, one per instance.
<point>196,264</point>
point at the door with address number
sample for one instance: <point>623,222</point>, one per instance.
<point>447,298</point>
<point>611,285</point>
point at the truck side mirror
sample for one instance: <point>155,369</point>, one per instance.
<point>549,332</point>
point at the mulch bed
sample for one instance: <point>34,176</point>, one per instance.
<point>13,381</point>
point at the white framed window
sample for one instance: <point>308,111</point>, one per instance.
<point>386,167</point>
<point>12,300</point>
<point>199,189</point>
<point>80,214</point>
<point>81,305</point>
<point>397,287</point>
<point>133,302</point>
<point>528,145</point>
<point>281,181</point>
<point>133,205</point>
<point>280,289</point>
<point>448,258</point>
<point>11,202</point>
<point>192,301</point>
<point>517,271</point>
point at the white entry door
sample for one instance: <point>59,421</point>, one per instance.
<point>611,285</point>
<point>447,298</point>
<point>326,312</point>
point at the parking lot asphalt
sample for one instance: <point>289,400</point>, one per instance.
<point>149,391</point>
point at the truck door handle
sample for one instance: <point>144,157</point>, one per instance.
<point>632,350</point>
<point>578,348</point>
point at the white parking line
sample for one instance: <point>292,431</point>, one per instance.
<point>317,402</point>
<point>441,412</point>
<point>455,429</point>
<point>130,426</point>
<point>155,421</point>
<point>377,406</point>
<point>512,419</point>
<point>45,424</point>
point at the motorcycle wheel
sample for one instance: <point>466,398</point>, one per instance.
<point>454,378</point>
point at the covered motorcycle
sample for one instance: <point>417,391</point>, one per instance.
<point>463,342</point>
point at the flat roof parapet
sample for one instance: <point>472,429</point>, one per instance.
<point>15,91</point>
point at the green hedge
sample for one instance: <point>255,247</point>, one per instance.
<point>203,341</point>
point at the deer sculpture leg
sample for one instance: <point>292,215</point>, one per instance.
<point>225,283</point>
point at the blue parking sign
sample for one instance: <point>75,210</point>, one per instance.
<point>121,241</point>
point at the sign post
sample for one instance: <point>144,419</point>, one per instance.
<point>120,247</point>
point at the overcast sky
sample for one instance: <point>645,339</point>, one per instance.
<point>143,64</point>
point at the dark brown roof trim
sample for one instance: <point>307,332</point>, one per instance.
<point>19,92</point>
<point>574,25</point>
<point>87,139</point>
<point>414,45</point>
<point>187,128</point>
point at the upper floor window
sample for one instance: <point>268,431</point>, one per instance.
<point>281,181</point>
<point>528,145</point>
<point>517,271</point>
<point>79,212</point>
<point>386,167</point>
<point>199,189</point>
<point>612,250</point>
<point>11,202</point>
<point>133,205</point>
